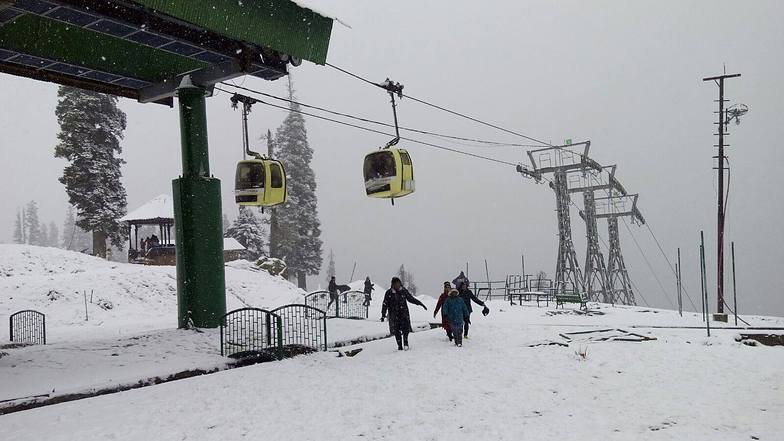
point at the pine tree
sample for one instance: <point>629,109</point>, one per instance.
<point>272,218</point>
<point>226,224</point>
<point>295,225</point>
<point>43,239</point>
<point>331,266</point>
<point>74,238</point>
<point>53,236</point>
<point>32,224</point>
<point>249,231</point>
<point>407,279</point>
<point>91,127</point>
<point>69,229</point>
<point>19,232</point>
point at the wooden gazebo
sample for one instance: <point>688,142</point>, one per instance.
<point>155,249</point>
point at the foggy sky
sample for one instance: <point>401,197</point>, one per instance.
<point>626,75</point>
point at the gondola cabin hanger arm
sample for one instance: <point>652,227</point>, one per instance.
<point>258,181</point>
<point>389,172</point>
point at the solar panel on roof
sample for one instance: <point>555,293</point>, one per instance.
<point>111,27</point>
<point>72,16</point>
<point>35,6</point>
<point>101,76</point>
<point>132,83</point>
<point>67,69</point>
<point>6,54</point>
<point>29,60</point>
<point>210,57</point>
<point>181,48</point>
<point>9,14</point>
<point>148,38</point>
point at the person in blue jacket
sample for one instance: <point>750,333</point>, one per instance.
<point>456,311</point>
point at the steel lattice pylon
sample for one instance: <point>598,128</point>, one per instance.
<point>567,268</point>
<point>613,207</point>
<point>619,282</point>
<point>596,276</point>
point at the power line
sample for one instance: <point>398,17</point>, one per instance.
<point>368,129</point>
<point>670,264</point>
<point>647,262</point>
<point>381,123</point>
<point>444,109</point>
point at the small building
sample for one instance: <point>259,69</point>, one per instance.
<point>159,249</point>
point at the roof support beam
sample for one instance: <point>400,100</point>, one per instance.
<point>205,77</point>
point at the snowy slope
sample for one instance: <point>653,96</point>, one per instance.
<point>126,298</point>
<point>681,386</point>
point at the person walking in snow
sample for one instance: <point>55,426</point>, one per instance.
<point>333,292</point>
<point>456,313</point>
<point>369,287</point>
<point>468,296</point>
<point>439,304</point>
<point>395,305</point>
<point>461,279</point>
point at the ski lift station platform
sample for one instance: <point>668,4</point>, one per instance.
<point>154,51</point>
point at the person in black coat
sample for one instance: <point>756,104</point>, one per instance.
<point>395,305</point>
<point>369,287</point>
<point>333,291</point>
<point>468,297</point>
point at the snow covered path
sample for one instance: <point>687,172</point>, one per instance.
<point>681,386</point>
<point>85,366</point>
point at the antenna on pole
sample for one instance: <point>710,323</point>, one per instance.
<point>725,116</point>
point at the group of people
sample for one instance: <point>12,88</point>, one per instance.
<point>149,242</point>
<point>335,290</point>
<point>454,304</point>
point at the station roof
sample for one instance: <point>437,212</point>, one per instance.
<point>130,48</point>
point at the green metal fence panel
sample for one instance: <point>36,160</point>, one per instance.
<point>349,304</point>
<point>250,332</point>
<point>303,325</point>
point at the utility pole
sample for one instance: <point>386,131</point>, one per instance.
<point>719,80</point>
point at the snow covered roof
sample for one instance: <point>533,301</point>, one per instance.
<point>312,5</point>
<point>157,209</point>
<point>231,244</point>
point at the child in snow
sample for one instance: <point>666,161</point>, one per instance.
<point>455,311</point>
<point>439,304</point>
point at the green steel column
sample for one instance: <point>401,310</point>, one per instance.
<point>201,285</point>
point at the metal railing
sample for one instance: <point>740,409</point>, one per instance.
<point>303,325</point>
<point>249,332</point>
<point>348,304</point>
<point>27,326</point>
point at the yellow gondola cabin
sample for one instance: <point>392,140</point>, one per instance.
<point>260,182</point>
<point>389,173</point>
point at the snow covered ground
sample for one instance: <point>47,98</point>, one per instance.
<point>504,384</point>
<point>682,385</point>
<point>126,298</point>
<point>135,338</point>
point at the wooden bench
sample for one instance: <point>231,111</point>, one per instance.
<point>560,299</point>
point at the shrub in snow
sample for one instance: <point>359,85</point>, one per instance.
<point>54,295</point>
<point>105,304</point>
<point>273,265</point>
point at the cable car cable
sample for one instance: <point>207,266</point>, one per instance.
<point>648,263</point>
<point>368,129</point>
<point>444,109</point>
<point>381,123</point>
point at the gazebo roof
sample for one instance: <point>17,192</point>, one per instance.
<point>156,211</point>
